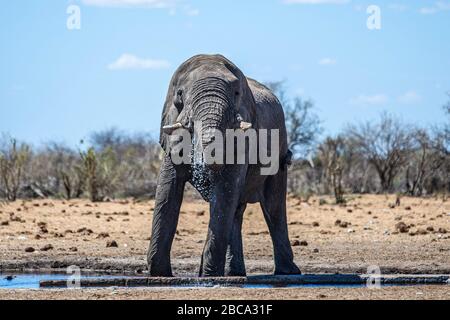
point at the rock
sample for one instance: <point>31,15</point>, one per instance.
<point>73,249</point>
<point>112,244</point>
<point>401,227</point>
<point>47,247</point>
<point>315,224</point>
<point>304,243</point>
<point>344,224</point>
<point>103,235</point>
<point>85,231</point>
<point>43,230</point>
<point>200,213</point>
<point>430,229</point>
<point>29,249</point>
<point>442,230</point>
<point>421,232</point>
<point>38,237</point>
<point>408,208</point>
<point>295,243</point>
<point>350,231</point>
<point>316,250</point>
<point>349,210</point>
<point>5,223</point>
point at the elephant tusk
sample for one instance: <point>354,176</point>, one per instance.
<point>245,125</point>
<point>171,128</point>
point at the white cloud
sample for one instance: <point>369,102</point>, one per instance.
<point>316,1</point>
<point>438,6</point>
<point>327,61</point>
<point>192,12</point>
<point>398,7</point>
<point>172,5</point>
<point>131,3</point>
<point>129,61</point>
<point>370,100</point>
<point>409,97</point>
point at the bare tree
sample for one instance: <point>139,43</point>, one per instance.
<point>13,158</point>
<point>303,125</point>
<point>386,145</point>
<point>331,153</point>
<point>424,162</point>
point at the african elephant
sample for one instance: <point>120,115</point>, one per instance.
<point>211,89</point>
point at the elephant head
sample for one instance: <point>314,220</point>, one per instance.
<point>209,90</point>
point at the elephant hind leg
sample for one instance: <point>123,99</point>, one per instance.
<point>273,205</point>
<point>235,266</point>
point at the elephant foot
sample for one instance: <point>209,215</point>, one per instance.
<point>287,270</point>
<point>160,273</point>
<point>236,273</point>
<point>159,270</point>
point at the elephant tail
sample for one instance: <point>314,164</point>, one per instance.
<point>287,159</point>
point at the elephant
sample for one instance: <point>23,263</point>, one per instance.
<point>211,89</point>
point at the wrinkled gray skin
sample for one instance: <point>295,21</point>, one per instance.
<point>212,89</point>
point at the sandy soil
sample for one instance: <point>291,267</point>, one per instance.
<point>386,293</point>
<point>63,233</point>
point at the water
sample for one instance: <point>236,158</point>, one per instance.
<point>32,280</point>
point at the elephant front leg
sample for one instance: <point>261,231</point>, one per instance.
<point>169,195</point>
<point>235,265</point>
<point>222,211</point>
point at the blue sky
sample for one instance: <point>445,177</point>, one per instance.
<point>60,84</point>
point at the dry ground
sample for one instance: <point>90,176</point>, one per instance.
<point>77,232</point>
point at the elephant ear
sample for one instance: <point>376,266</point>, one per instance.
<point>247,106</point>
<point>169,116</point>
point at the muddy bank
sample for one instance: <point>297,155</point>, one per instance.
<point>189,267</point>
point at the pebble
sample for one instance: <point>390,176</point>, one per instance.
<point>103,235</point>
<point>29,249</point>
<point>47,247</point>
<point>401,227</point>
<point>112,244</point>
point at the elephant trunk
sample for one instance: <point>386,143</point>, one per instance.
<point>213,108</point>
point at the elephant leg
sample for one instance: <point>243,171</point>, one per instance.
<point>235,265</point>
<point>273,205</point>
<point>169,195</point>
<point>223,205</point>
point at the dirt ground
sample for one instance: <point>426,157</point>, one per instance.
<point>370,230</point>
